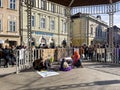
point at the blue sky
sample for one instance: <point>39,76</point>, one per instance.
<point>105,17</point>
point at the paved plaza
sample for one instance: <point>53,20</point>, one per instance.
<point>94,76</point>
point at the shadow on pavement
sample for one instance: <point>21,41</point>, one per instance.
<point>28,70</point>
<point>102,65</point>
<point>4,75</point>
<point>61,87</point>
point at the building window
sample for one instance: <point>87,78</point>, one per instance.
<point>43,4</point>
<point>64,28</point>
<point>65,12</point>
<point>42,23</point>
<point>12,4</point>
<point>91,31</point>
<point>105,34</point>
<point>0,25</point>
<point>33,21</point>
<point>52,7</point>
<point>34,3</point>
<point>96,32</point>
<point>58,8</point>
<point>12,26</point>
<point>52,24</point>
<point>99,31</point>
<point>0,3</point>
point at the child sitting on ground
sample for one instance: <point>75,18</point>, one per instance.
<point>64,66</point>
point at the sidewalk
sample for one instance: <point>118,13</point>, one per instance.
<point>7,71</point>
<point>11,70</point>
<point>92,77</point>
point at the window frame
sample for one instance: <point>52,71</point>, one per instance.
<point>64,27</point>
<point>91,30</point>
<point>1,28</point>
<point>43,22</point>
<point>33,21</point>
<point>12,4</point>
<point>43,5</point>
<point>53,7</point>
<point>65,12</point>
<point>52,25</point>
<point>1,4</point>
<point>11,26</point>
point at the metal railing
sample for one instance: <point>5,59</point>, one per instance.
<point>105,55</point>
<point>23,62</point>
<point>96,9</point>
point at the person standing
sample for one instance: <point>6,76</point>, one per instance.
<point>1,53</point>
<point>86,52</point>
<point>81,52</point>
<point>90,51</point>
<point>7,56</point>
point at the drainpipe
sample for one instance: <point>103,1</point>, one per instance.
<point>80,42</point>
<point>58,30</point>
<point>87,30</point>
<point>20,22</point>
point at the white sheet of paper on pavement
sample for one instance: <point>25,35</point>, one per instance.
<point>47,73</point>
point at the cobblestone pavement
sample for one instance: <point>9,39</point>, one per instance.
<point>93,76</point>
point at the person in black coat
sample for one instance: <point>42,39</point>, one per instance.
<point>7,56</point>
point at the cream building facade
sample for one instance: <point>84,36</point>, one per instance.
<point>9,22</point>
<point>87,29</point>
<point>49,22</point>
